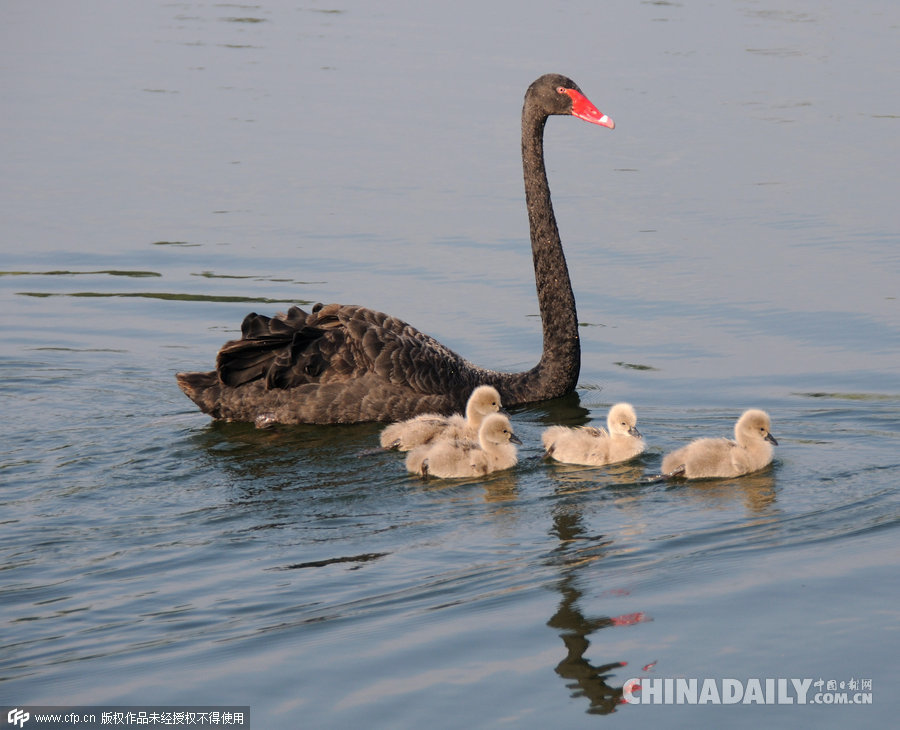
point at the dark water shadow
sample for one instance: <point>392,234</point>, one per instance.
<point>566,410</point>
<point>292,458</point>
<point>757,490</point>
<point>577,549</point>
<point>165,296</point>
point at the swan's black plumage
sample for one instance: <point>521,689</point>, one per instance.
<point>346,364</point>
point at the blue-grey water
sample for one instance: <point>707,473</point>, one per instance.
<point>734,242</point>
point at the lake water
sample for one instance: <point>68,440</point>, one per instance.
<point>734,242</point>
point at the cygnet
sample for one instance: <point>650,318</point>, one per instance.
<point>424,429</point>
<point>596,446</point>
<point>449,458</point>
<point>720,457</point>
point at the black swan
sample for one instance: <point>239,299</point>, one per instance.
<point>348,364</point>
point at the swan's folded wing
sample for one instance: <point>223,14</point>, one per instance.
<point>595,432</point>
<point>334,343</point>
<point>262,340</point>
<point>244,360</point>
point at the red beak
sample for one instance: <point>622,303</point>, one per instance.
<point>584,109</point>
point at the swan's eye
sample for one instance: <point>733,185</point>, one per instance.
<point>560,90</point>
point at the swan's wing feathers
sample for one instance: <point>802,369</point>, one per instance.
<point>256,326</point>
<point>396,351</point>
<point>334,343</point>
<point>242,361</point>
<point>597,432</point>
<point>298,363</point>
<point>264,340</point>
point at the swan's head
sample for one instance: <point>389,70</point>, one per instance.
<point>754,425</point>
<point>622,420</point>
<point>558,94</point>
<point>484,400</point>
<point>497,429</point>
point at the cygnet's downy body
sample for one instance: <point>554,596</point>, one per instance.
<point>720,457</point>
<point>424,429</point>
<point>450,458</point>
<point>597,446</point>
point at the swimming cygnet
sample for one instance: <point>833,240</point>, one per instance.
<point>423,429</point>
<point>597,446</point>
<point>721,457</point>
<point>448,458</point>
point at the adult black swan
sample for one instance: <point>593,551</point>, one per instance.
<point>346,364</point>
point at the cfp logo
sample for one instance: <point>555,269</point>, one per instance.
<point>17,717</point>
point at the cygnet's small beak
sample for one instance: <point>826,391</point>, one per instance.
<point>771,439</point>
<point>515,439</point>
<point>634,432</point>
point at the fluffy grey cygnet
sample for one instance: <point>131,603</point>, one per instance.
<point>413,432</point>
<point>720,457</point>
<point>596,446</point>
<point>450,458</point>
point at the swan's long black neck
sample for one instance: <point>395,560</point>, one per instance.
<point>557,372</point>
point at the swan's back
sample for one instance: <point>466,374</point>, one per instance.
<point>334,364</point>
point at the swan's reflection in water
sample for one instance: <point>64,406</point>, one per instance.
<point>577,549</point>
<point>574,478</point>
<point>303,478</point>
<point>500,486</point>
<point>756,490</point>
<point>584,678</point>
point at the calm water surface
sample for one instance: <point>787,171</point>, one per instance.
<point>170,166</point>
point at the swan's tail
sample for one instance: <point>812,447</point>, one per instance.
<point>267,350</point>
<point>202,388</point>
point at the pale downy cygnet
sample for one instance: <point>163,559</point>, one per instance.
<point>721,457</point>
<point>597,446</point>
<point>448,458</point>
<point>406,435</point>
